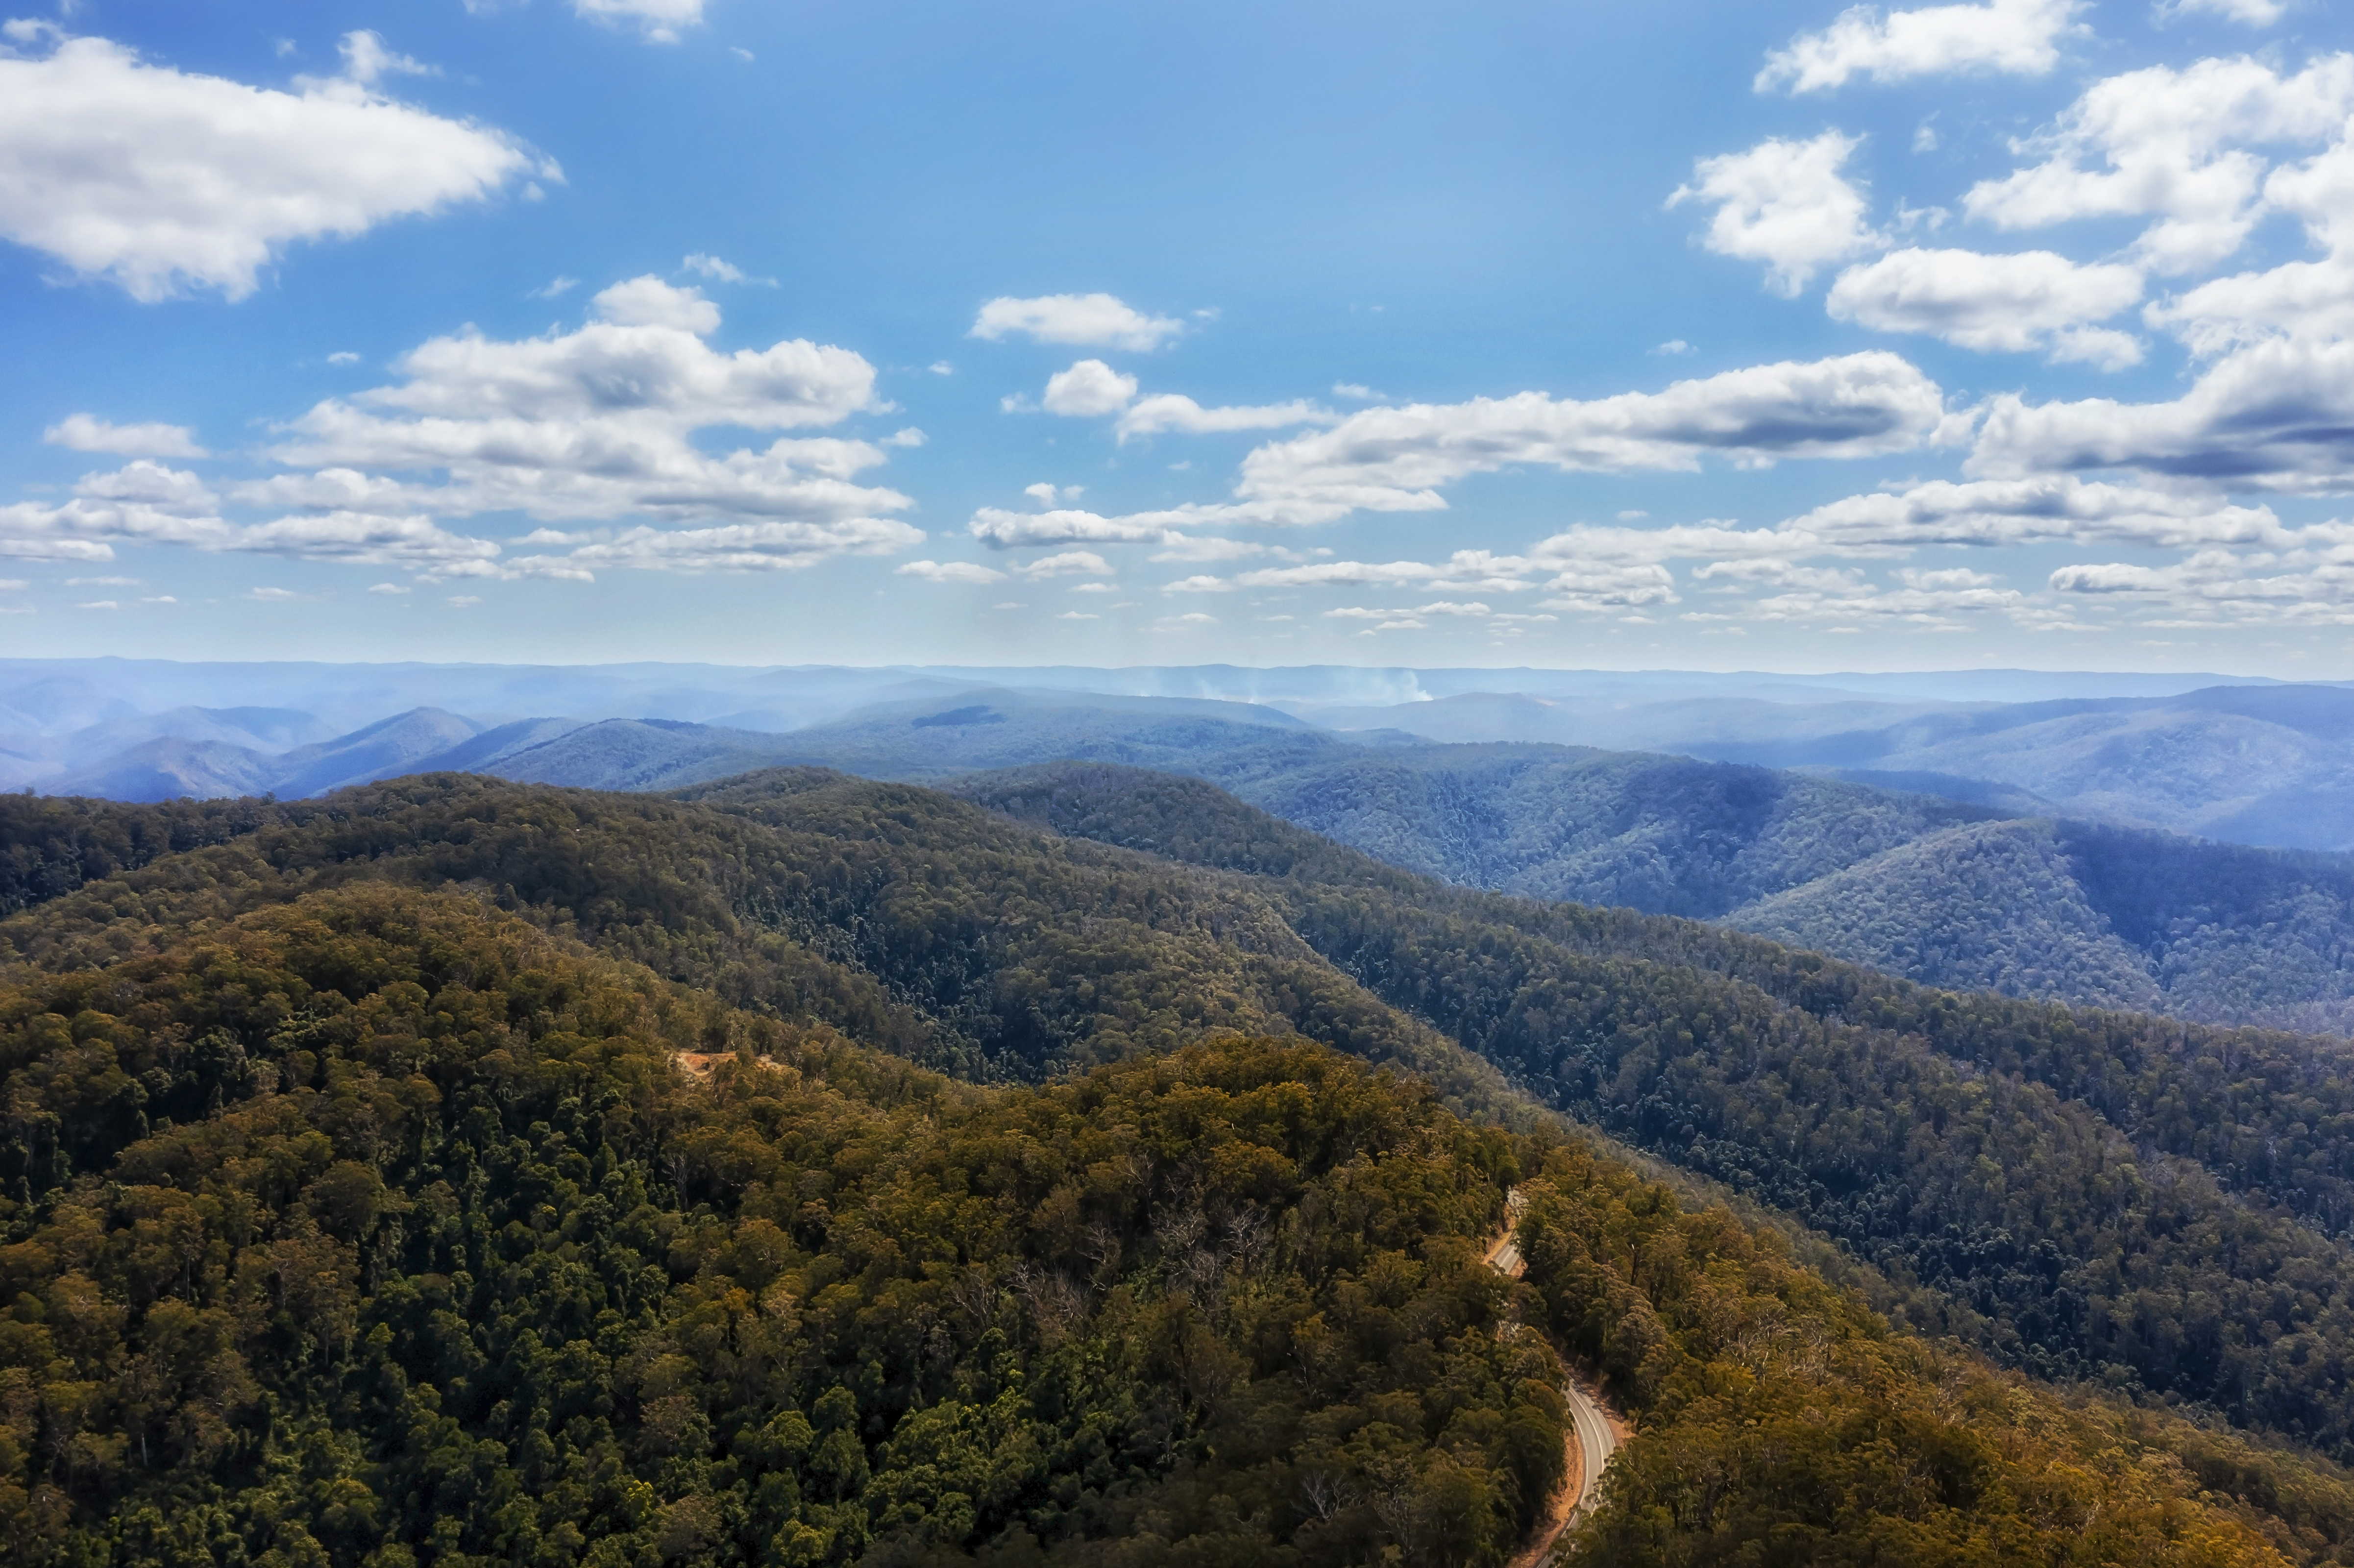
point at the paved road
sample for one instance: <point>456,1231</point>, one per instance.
<point>1593,1429</point>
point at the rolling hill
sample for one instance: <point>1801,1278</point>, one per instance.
<point>468,1168</point>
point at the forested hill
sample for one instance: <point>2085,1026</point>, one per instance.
<point>451,1172</point>
<point>1940,892</point>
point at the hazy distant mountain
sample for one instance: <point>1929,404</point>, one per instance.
<point>1623,721</point>
<point>380,750</point>
<point>2270,766</point>
<point>169,769</point>
<point>1002,729</point>
<point>635,754</point>
<point>173,765</point>
<point>2114,917</point>
<point>267,730</point>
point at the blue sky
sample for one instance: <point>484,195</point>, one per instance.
<point>1700,336</point>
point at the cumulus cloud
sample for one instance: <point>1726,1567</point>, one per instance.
<point>88,433</point>
<point>1786,204</point>
<point>1091,388</point>
<point>2307,299</point>
<point>2017,38</point>
<point>1173,412</point>
<point>1995,513</point>
<point>2035,300</point>
<point>2172,145</point>
<point>720,269</point>
<point>162,180</point>
<point>950,572</point>
<point>1478,571</point>
<point>2309,584</point>
<point>2277,415</point>
<point>594,428</point>
<point>1086,389</point>
<point>731,547</point>
<point>1003,530</point>
<point>1396,459</point>
<point>2250,13</point>
<point>1088,321</point>
<point>650,302</point>
<point>148,503</point>
<point>599,424</point>
<point>658,21</point>
<point>1067,563</point>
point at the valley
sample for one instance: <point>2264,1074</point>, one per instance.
<point>1173,1169</point>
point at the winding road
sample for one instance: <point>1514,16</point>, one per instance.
<point>1591,1428</point>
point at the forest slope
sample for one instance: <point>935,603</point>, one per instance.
<point>373,1226</point>
<point>2087,1195</point>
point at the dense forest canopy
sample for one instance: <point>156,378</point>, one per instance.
<point>350,1156</point>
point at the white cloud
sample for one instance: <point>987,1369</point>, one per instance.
<point>1592,586</point>
<point>1077,615</point>
<point>2277,415</point>
<point>2306,299</point>
<point>1092,320</point>
<point>1001,530</point>
<point>2036,300</point>
<point>2311,583</point>
<point>657,20</point>
<point>145,503</point>
<point>1997,512</point>
<point>599,424</point>
<point>2172,145</point>
<point>162,180</point>
<point>1182,547</point>
<point>88,433</point>
<point>950,572</point>
<point>719,271</point>
<point>1357,392</point>
<point>942,368</point>
<point>1477,570</point>
<point>2251,13</point>
<point>368,60</point>
<point>343,357</point>
<point>650,302</point>
<point>556,287</point>
<point>1173,412</point>
<point>2017,37</point>
<point>391,589</point>
<point>910,438</point>
<point>1396,458</point>
<point>1067,563</point>
<point>1786,204</point>
<point>1673,346</point>
<point>729,547</point>
<point>1086,389</point>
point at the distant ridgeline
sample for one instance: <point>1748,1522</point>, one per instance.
<point>799,1171</point>
<point>1975,882</point>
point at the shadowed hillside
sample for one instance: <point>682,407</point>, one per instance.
<point>352,1218</point>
